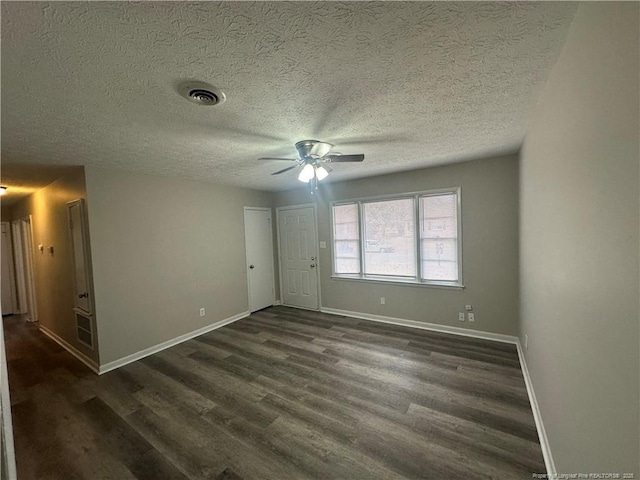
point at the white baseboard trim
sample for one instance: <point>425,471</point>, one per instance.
<point>497,337</point>
<point>107,367</point>
<point>542,433</point>
<point>70,348</point>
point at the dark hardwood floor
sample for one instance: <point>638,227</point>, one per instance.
<point>283,394</point>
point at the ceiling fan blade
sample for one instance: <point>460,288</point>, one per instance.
<point>346,158</point>
<point>285,159</point>
<point>284,170</point>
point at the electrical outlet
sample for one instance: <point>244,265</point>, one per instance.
<point>461,316</point>
<point>468,308</point>
<point>202,312</point>
<point>472,317</point>
<point>526,342</point>
<point>383,301</point>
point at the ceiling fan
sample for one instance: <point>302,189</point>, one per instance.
<point>314,157</point>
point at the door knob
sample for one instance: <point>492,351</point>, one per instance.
<point>313,266</point>
<point>83,295</point>
<point>252,267</point>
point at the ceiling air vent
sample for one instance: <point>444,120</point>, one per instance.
<point>202,94</point>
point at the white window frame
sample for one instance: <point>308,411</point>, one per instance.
<point>417,280</point>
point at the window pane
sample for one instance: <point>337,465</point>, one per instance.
<point>346,244</point>
<point>439,237</point>
<point>389,239</point>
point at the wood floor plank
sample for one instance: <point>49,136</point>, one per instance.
<point>465,391</point>
<point>301,395</point>
<point>195,455</point>
<point>282,394</point>
<point>288,323</point>
<point>217,437</point>
<point>113,434</point>
<point>184,372</point>
<point>350,348</point>
<point>413,457</point>
<point>321,421</point>
<point>494,445</point>
<point>154,382</point>
<point>153,466</point>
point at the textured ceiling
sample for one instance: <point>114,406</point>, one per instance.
<point>409,84</point>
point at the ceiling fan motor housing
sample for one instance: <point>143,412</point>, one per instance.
<point>313,148</point>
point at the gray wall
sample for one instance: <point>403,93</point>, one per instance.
<point>579,244</point>
<point>489,190</point>
<point>54,273</point>
<point>162,249</point>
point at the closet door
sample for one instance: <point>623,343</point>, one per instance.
<point>83,301</point>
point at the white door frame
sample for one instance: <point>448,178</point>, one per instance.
<point>315,219</point>
<point>18,259</point>
<point>246,260</point>
<point>31,268</point>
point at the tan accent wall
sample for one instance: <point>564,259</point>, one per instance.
<point>489,192</point>
<point>162,249</point>
<point>579,250</point>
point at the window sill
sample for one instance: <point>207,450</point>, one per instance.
<point>399,281</point>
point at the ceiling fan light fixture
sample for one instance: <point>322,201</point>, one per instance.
<point>321,173</point>
<point>307,173</point>
<point>313,156</point>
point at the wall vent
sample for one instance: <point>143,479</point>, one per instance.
<point>84,329</point>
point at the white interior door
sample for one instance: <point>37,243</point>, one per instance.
<point>80,263</point>
<point>298,257</point>
<point>258,237</point>
<point>7,280</point>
